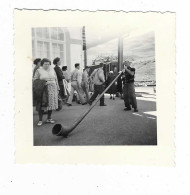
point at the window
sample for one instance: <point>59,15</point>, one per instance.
<point>48,43</point>
<point>33,50</point>
<point>39,32</point>
<point>61,50</point>
<point>42,33</point>
<point>46,50</point>
<point>46,33</point>
<point>60,34</point>
<point>54,33</point>
<point>43,49</point>
<point>58,51</point>
<point>40,49</point>
<point>57,34</point>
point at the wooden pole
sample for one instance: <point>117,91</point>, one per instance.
<point>84,46</point>
<point>120,53</point>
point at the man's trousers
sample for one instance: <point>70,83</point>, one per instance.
<point>98,89</point>
<point>129,95</point>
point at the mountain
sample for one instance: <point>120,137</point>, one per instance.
<point>145,68</point>
<point>140,50</point>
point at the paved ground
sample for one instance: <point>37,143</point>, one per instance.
<point>109,125</point>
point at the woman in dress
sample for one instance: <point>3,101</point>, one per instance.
<point>113,89</point>
<point>46,73</point>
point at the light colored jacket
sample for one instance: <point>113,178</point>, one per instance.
<point>76,76</point>
<point>98,76</point>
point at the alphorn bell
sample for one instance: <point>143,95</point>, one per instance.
<point>62,130</point>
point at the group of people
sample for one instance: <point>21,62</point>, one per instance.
<point>51,84</point>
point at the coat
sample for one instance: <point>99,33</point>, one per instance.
<point>98,76</point>
<point>59,74</point>
<point>40,94</point>
<point>60,78</point>
<point>113,88</point>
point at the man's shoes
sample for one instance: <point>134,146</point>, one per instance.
<point>126,109</point>
<point>113,98</point>
<point>84,103</point>
<point>69,104</point>
<point>135,110</point>
<point>103,105</point>
<point>110,97</point>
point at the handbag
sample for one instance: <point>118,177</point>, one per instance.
<point>59,103</point>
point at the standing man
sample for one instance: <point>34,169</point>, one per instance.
<point>85,83</point>
<point>99,80</point>
<point>128,88</point>
<point>76,85</point>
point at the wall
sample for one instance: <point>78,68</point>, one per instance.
<point>76,56</point>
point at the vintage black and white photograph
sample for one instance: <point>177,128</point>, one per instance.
<point>94,85</point>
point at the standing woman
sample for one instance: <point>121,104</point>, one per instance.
<point>37,63</point>
<point>46,73</point>
<point>113,89</point>
<point>60,77</point>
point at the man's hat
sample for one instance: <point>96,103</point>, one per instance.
<point>127,62</point>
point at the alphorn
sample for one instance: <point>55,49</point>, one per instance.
<point>62,130</point>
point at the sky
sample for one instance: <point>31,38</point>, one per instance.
<point>140,46</point>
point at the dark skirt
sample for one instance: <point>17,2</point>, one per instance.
<point>113,88</point>
<point>61,91</point>
<point>119,85</point>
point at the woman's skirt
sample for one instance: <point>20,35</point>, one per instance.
<point>112,89</point>
<point>52,96</point>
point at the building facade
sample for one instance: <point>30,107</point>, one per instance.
<point>65,43</point>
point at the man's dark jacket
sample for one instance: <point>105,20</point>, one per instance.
<point>59,74</point>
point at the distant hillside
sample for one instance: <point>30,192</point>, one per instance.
<point>145,68</point>
<point>145,71</point>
